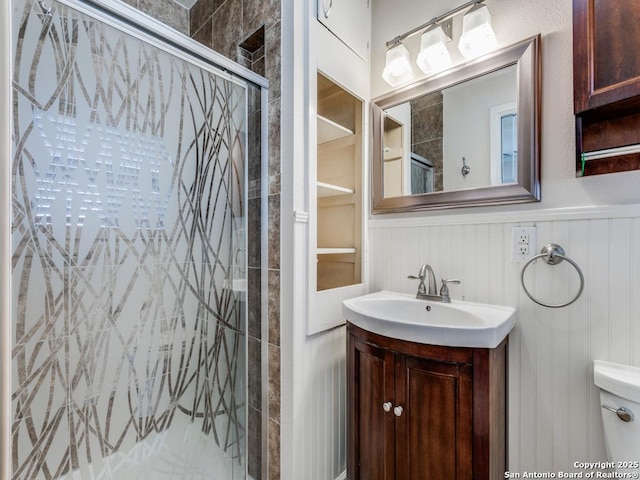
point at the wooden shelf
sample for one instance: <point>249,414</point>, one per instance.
<point>333,251</point>
<point>329,190</point>
<point>329,130</point>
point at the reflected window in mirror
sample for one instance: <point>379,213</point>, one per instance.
<point>504,143</point>
<point>509,150</point>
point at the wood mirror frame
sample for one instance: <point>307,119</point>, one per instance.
<point>525,56</point>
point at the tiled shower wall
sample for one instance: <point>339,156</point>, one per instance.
<point>225,25</point>
<point>255,25</point>
<point>426,132</point>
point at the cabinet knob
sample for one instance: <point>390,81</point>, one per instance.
<point>398,411</point>
<point>386,406</point>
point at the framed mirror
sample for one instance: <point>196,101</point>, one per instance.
<point>468,136</point>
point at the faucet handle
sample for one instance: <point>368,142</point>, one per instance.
<point>444,290</point>
<point>422,289</point>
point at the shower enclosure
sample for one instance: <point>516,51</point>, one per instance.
<point>128,248</point>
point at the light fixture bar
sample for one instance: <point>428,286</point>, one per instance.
<point>433,21</point>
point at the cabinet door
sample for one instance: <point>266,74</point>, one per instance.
<point>434,432</point>
<point>350,21</point>
<point>606,73</point>
<point>606,38</point>
<point>370,428</point>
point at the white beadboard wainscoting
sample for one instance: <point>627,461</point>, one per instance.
<point>554,411</point>
<point>325,450</point>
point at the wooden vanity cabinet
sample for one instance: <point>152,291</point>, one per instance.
<point>606,75</point>
<point>422,412</point>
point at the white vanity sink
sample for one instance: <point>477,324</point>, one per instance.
<point>455,324</point>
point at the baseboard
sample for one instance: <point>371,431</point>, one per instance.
<point>342,476</point>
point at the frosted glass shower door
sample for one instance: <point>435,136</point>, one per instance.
<point>129,253</point>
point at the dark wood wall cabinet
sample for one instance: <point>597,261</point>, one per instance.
<point>423,412</point>
<point>606,73</point>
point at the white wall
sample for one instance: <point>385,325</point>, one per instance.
<point>514,20</point>
<point>553,405</point>
<point>465,127</point>
<point>553,411</point>
<point>554,414</point>
<point>313,408</point>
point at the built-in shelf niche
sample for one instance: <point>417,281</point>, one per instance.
<point>339,181</point>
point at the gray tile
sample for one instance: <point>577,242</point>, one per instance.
<point>274,383</point>
<point>254,302</point>
<point>431,150</point>
<point>254,370</point>
<point>227,28</point>
<point>273,52</point>
<point>204,34</point>
<point>258,66</point>
<point>260,12</point>
<point>426,100</point>
<point>254,233</point>
<point>274,450</point>
<point>274,307</point>
<point>254,148</point>
<point>274,232</point>
<point>254,447</point>
<point>426,123</point>
<point>167,11</point>
<point>201,12</point>
<point>274,140</point>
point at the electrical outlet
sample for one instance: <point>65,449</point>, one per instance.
<point>523,243</point>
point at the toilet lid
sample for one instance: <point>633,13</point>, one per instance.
<point>621,380</point>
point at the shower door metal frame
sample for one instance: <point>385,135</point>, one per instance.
<point>5,239</point>
<point>150,30</point>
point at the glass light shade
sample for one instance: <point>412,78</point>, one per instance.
<point>434,55</point>
<point>398,68</point>
<point>477,37</point>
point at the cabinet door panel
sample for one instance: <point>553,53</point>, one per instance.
<point>431,435</point>
<point>611,36</point>
<point>371,429</point>
<point>605,33</point>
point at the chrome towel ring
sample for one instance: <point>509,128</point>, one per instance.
<point>552,254</point>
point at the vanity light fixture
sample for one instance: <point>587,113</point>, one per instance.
<point>434,55</point>
<point>398,67</point>
<point>477,39</point>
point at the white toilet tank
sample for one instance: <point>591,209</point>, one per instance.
<point>620,401</point>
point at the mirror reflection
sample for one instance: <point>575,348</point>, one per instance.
<point>468,136</point>
<point>460,137</point>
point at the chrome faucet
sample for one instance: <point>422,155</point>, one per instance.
<point>430,293</point>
